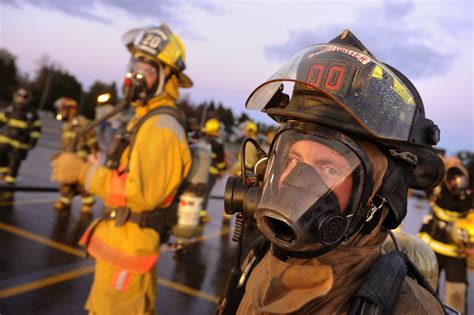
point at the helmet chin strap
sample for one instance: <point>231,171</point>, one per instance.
<point>158,87</point>
<point>162,78</point>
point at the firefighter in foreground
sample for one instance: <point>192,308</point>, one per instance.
<point>67,111</point>
<point>352,138</point>
<point>143,175</point>
<point>212,130</point>
<point>449,231</point>
<point>20,129</point>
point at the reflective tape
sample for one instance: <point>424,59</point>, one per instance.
<point>9,179</point>
<point>214,171</point>
<point>65,200</point>
<point>121,280</point>
<point>88,200</point>
<point>17,123</point>
<point>68,134</point>
<point>133,263</point>
<point>440,247</point>
<point>446,215</point>
<point>14,143</point>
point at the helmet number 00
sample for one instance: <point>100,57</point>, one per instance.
<point>330,77</point>
<point>151,40</point>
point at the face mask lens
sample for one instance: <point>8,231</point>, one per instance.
<point>311,181</point>
<point>145,69</point>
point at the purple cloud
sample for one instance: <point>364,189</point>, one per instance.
<point>160,10</point>
<point>390,35</point>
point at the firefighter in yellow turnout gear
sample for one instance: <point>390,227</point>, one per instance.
<point>446,230</point>
<point>67,112</point>
<point>125,241</point>
<point>211,130</point>
<point>20,128</point>
<point>249,130</point>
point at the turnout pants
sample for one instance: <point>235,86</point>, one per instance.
<point>10,159</point>
<point>68,191</point>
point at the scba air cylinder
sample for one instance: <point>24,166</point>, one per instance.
<point>188,211</point>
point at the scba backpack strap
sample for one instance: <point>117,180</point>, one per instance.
<point>126,139</point>
<point>159,219</point>
<point>378,295</point>
<point>236,282</point>
<point>161,110</point>
<point>382,285</point>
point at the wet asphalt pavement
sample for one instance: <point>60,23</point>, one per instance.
<point>43,270</point>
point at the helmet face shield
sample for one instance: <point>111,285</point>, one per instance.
<point>365,88</point>
<point>311,180</point>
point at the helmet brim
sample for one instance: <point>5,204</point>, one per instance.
<point>184,81</point>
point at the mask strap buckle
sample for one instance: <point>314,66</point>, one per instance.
<point>406,156</point>
<point>374,208</point>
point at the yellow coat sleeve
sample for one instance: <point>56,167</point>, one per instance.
<point>159,161</point>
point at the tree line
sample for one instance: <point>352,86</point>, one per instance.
<point>51,82</point>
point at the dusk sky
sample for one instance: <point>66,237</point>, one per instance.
<point>233,46</point>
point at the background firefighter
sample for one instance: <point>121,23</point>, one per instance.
<point>67,111</point>
<point>142,183</point>
<point>451,203</point>
<point>249,130</point>
<point>212,130</point>
<point>20,129</point>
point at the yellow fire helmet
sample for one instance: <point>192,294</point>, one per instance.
<point>159,44</point>
<point>65,106</point>
<point>250,128</point>
<point>65,103</point>
<point>212,127</point>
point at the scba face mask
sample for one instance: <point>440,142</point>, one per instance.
<point>144,80</point>
<point>315,190</point>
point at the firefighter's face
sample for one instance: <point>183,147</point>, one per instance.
<point>147,70</point>
<point>333,168</point>
<point>20,99</point>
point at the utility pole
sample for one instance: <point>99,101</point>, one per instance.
<point>45,92</point>
<point>203,116</point>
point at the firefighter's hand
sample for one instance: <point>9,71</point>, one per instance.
<point>68,168</point>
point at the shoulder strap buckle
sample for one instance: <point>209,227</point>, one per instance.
<point>121,215</point>
<point>374,208</point>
